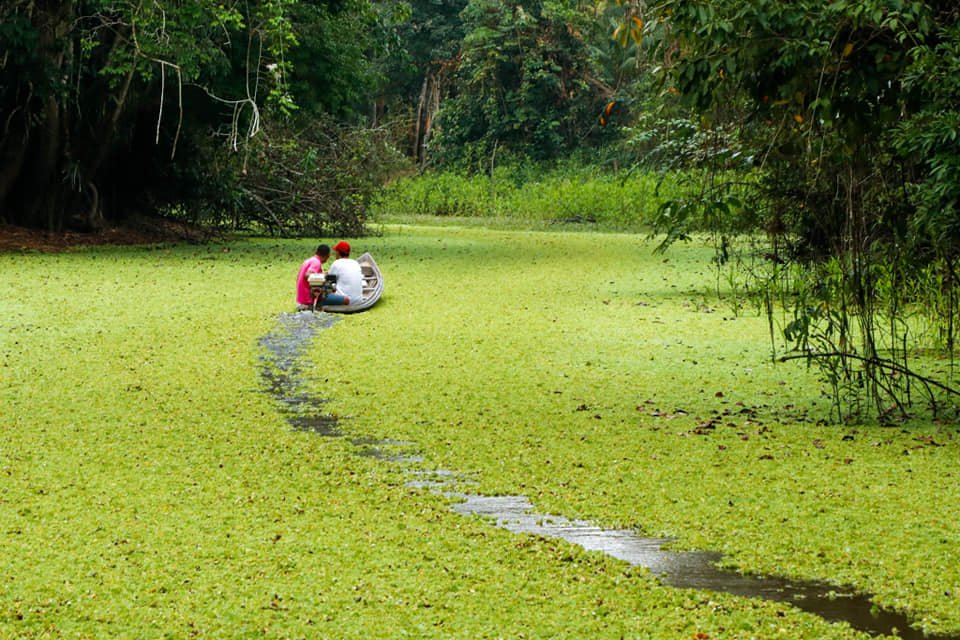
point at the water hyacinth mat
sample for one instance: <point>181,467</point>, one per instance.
<point>151,485</point>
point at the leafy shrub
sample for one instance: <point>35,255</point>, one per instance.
<point>319,180</point>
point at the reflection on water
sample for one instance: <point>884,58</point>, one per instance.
<point>689,569</point>
<point>283,350</point>
<point>281,368</point>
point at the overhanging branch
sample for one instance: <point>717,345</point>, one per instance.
<point>878,362</point>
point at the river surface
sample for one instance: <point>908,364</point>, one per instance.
<point>285,378</point>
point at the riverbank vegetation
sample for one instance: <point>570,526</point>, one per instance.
<point>575,195</point>
<point>153,488</point>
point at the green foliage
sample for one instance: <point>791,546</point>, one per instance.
<point>437,194</point>
<point>928,139</point>
<point>532,195</point>
<point>716,203</point>
<point>99,96</point>
<point>316,181</point>
<point>522,84</point>
<point>21,43</point>
<point>425,42</point>
<point>853,153</point>
<point>332,71</point>
<point>657,143</point>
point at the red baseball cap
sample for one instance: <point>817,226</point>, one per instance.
<point>342,247</point>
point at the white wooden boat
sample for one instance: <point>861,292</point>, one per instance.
<point>372,287</point>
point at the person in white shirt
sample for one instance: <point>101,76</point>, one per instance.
<point>349,278</point>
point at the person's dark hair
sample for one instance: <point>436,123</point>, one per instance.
<point>323,250</point>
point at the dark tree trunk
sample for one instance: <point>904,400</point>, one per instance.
<point>59,121</point>
<point>13,149</point>
<point>33,178</point>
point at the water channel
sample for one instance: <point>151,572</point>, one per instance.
<point>282,355</point>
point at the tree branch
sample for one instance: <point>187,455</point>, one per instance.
<point>884,364</point>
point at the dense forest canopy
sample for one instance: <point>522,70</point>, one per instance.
<point>224,111</point>
<point>288,114</point>
<point>114,108</point>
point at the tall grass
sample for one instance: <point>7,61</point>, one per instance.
<point>574,194</point>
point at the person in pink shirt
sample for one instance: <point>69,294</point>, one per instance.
<point>313,264</point>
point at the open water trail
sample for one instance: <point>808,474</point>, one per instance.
<point>282,370</point>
